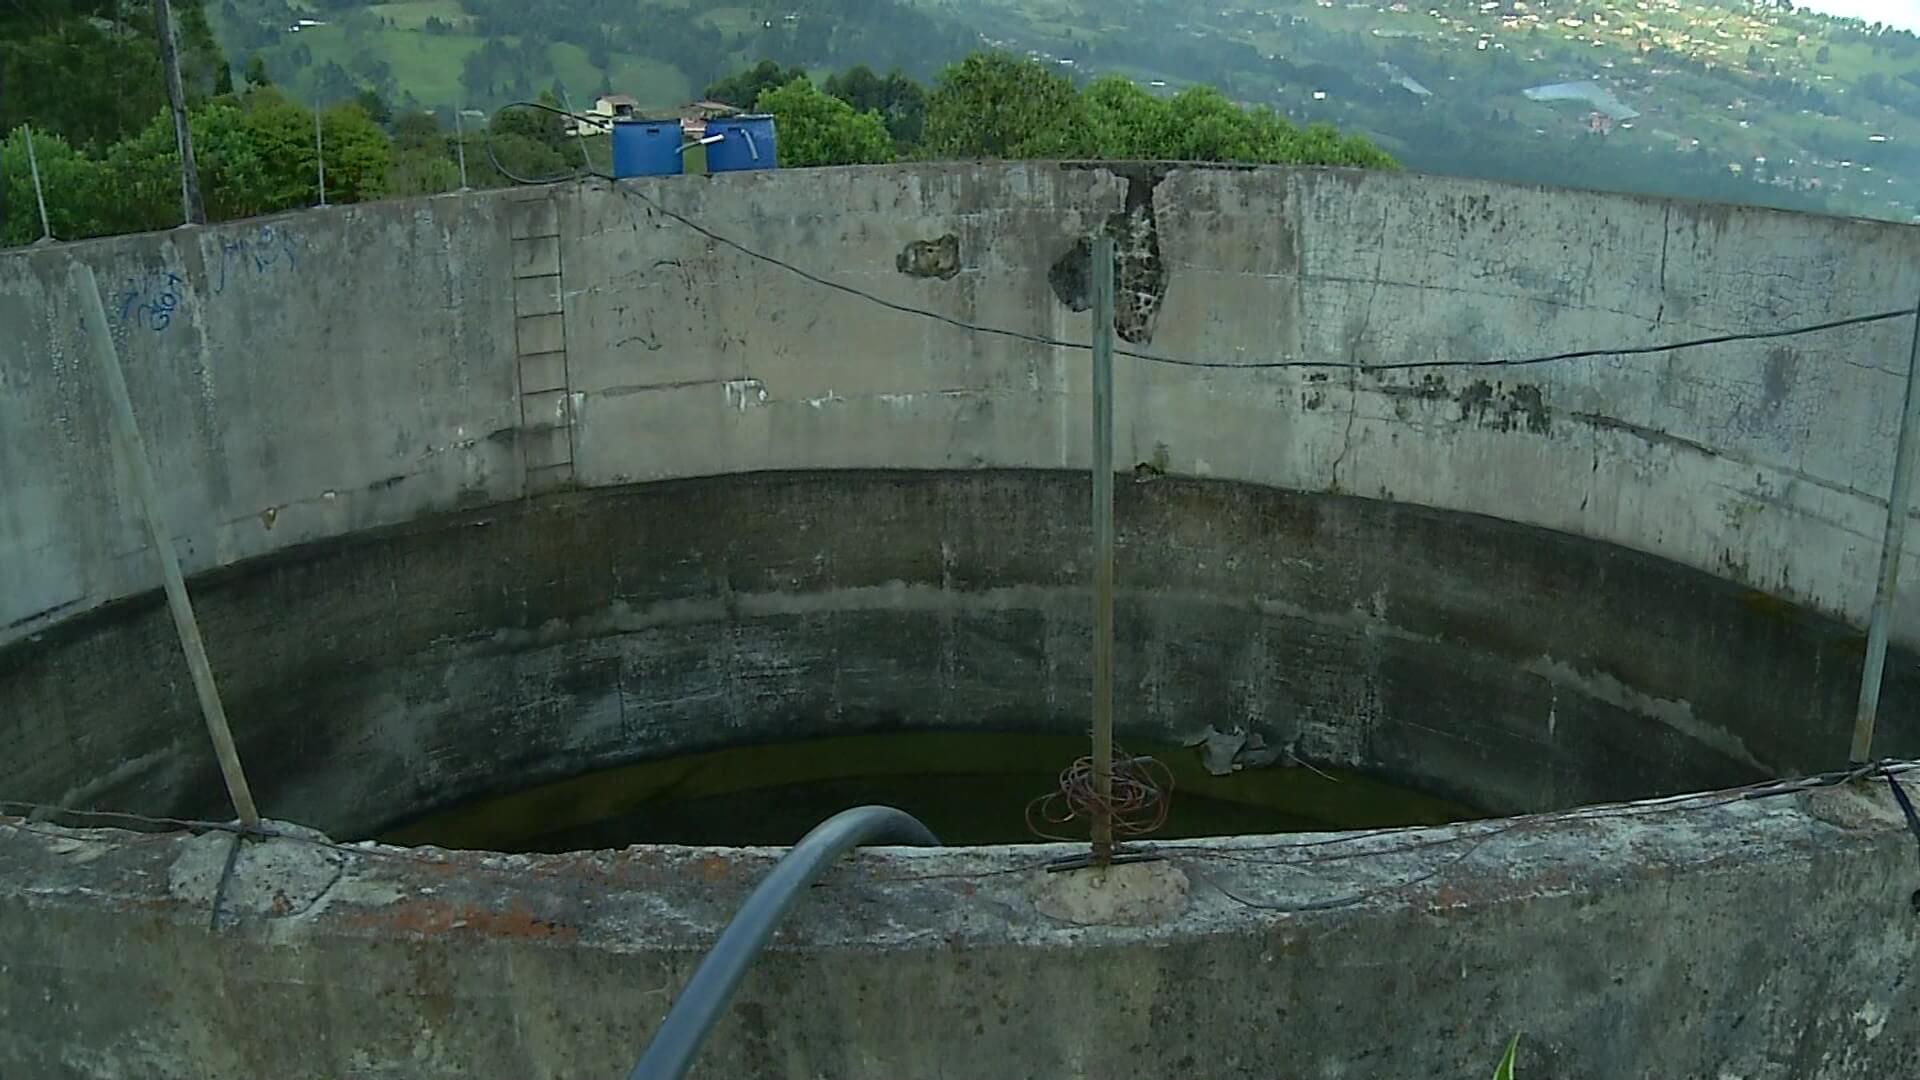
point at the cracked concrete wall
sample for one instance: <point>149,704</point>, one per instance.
<point>1764,462</point>
<point>390,366</point>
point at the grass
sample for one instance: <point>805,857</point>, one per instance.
<point>731,20</point>
<point>413,14</point>
<point>428,66</point>
<point>652,83</point>
<point>425,65</point>
<point>655,85</point>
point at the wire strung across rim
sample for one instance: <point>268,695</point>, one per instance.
<point>1142,796</point>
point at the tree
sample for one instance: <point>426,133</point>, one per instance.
<point>542,126</point>
<point>496,159</point>
<point>815,129</point>
<point>90,83</point>
<point>1824,55</point>
<point>1126,122</point>
<point>72,182</point>
<point>992,105</point>
<point>1200,124</point>
<point>418,130</point>
<point>358,154</point>
<point>333,83</point>
<point>859,87</point>
<point>905,110</point>
<point>375,106</point>
<point>900,101</point>
<point>741,90</point>
<point>257,72</point>
<point>1322,144</point>
<point>422,172</point>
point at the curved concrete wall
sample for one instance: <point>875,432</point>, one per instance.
<point>1767,939</point>
<point>479,653</point>
<point>315,374</point>
<point>309,381</point>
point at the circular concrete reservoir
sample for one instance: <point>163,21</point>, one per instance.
<point>398,674</point>
<point>560,555</point>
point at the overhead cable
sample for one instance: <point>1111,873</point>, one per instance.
<point>1157,358</point>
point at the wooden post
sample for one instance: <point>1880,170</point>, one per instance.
<point>39,195</point>
<point>126,440</point>
<point>1102,824</point>
<point>319,152</point>
<point>1891,548</point>
<point>193,210</point>
<point>460,144</point>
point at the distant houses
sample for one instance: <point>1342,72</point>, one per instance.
<point>1601,98</point>
<point>599,119</point>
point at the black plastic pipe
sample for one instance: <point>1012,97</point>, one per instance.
<point>706,995</point>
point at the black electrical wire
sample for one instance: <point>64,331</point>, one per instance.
<point>561,178</point>
<point>1422,365</point>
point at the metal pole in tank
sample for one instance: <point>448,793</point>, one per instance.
<point>1102,824</point>
<point>127,442</point>
<point>1891,547</point>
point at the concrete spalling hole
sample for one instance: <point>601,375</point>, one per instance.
<point>1914,901</point>
<point>970,788</point>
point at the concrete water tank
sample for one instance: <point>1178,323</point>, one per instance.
<point>519,523</point>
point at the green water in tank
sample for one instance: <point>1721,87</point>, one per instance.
<point>969,788</point>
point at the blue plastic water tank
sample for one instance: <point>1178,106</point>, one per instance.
<point>746,142</point>
<point>646,148</point>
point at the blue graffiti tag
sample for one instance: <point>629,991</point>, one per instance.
<point>259,251</point>
<point>151,299</point>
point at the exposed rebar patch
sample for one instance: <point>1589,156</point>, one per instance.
<point>1139,277</point>
<point>939,258</point>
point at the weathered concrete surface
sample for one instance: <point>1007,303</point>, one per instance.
<point>299,377</point>
<point>470,656</point>
<point>360,366</point>
<point>352,410</point>
<point>1766,940</point>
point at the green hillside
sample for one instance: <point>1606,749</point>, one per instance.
<point>1752,104</point>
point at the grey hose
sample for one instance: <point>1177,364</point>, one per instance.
<point>705,997</point>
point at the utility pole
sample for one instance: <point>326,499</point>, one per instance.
<point>194,211</point>
<point>1891,547</point>
<point>1102,824</point>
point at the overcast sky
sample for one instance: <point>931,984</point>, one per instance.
<point>1901,13</point>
